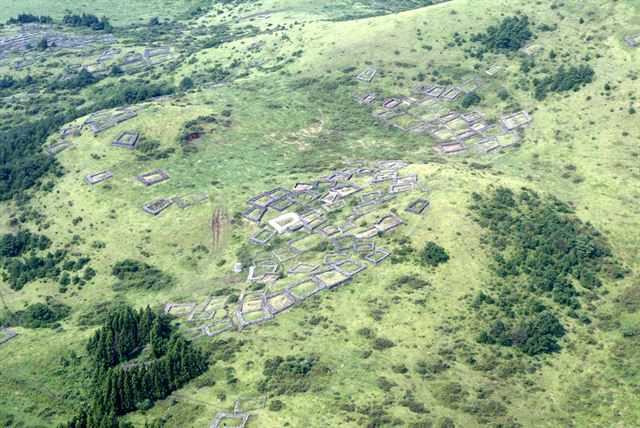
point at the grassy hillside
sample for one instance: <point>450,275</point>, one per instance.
<point>290,114</point>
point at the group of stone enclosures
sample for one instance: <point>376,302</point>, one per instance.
<point>17,51</point>
<point>313,237</point>
<point>102,120</point>
<point>98,122</point>
<point>128,62</point>
<point>425,112</point>
<point>29,35</point>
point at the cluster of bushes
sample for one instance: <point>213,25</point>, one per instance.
<point>15,245</point>
<point>540,250</point>
<point>78,80</point>
<point>290,375</point>
<point>18,272</point>
<point>147,150</point>
<point>115,389</point>
<point>136,274</point>
<point>37,315</point>
<point>27,18</point>
<point>512,34</point>
<point>11,82</point>
<point>563,80</point>
<point>22,264</point>
<point>87,20</point>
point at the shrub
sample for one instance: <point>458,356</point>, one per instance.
<point>186,83</point>
<point>275,405</point>
<point>381,343</point>
<point>470,99</point>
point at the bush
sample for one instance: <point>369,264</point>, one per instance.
<point>186,83</point>
<point>276,405</point>
<point>381,343</point>
<point>433,255</point>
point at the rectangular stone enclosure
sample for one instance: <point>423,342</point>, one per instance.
<point>157,206</point>
<point>367,75</point>
<point>99,176</point>
<point>126,139</point>
<point>153,177</point>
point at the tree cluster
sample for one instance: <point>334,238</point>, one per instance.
<point>28,18</point>
<point>510,35</point>
<point>540,250</point>
<point>78,80</point>
<point>15,245</point>
<point>121,384</point>
<point>563,80</point>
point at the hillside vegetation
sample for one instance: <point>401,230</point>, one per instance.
<point>511,299</point>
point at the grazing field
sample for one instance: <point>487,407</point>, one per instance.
<point>494,306</point>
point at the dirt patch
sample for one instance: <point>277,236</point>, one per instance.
<point>219,222</point>
<point>193,136</point>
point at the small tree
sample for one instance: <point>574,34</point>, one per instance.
<point>43,44</point>
<point>186,83</point>
<point>433,254</point>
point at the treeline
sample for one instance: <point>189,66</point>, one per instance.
<point>540,250</point>
<point>510,35</point>
<point>87,20</point>
<point>27,18</point>
<point>119,388</point>
<point>72,19</point>
<point>563,80</point>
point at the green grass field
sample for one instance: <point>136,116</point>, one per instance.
<point>296,117</point>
